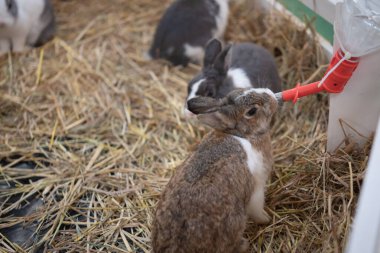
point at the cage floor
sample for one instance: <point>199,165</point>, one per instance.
<point>94,130</point>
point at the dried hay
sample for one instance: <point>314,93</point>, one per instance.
<point>105,131</point>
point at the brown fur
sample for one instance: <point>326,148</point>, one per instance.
<point>204,206</point>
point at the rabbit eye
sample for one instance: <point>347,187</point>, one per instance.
<point>251,112</point>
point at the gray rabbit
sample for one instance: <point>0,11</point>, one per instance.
<point>205,205</point>
<point>242,65</point>
<point>186,27</point>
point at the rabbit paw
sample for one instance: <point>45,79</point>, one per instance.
<point>261,218</point>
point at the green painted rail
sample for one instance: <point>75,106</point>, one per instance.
<point>304,13</point>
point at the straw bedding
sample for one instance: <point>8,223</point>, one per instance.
<point>96,131</point>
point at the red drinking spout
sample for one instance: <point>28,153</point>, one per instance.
<point>336,77</point>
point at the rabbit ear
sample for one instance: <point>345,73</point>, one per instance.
<point>201,105</point>
<point>213,48</point>
<point>208,110</point>
<point>217,120</point>
<point>219,63</point>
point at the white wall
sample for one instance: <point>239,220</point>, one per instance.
<point>365,235</point>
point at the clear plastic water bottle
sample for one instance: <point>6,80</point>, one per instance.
<point>357,26</point>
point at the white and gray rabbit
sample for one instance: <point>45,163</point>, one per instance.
<point>242,65</point>
<point>205,205</point>
<point>25,24</point>
<point>186,27</point>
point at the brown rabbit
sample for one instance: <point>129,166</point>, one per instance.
<point>205,204</point>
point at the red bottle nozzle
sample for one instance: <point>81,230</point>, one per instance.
<point>334,82</point>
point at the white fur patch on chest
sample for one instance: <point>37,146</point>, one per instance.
<point>239,78</point>
<point>5,46</point>
<point>194,53</point>
<point>254,157</point>
<point>221,18</point>
<point>194,89</point>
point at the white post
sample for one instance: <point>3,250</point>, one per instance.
<point>358,105</point>
<point>365,236</point>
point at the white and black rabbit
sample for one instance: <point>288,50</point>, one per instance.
<point>242,65</point>
<point>25,24</point>
<point>186,27</point>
